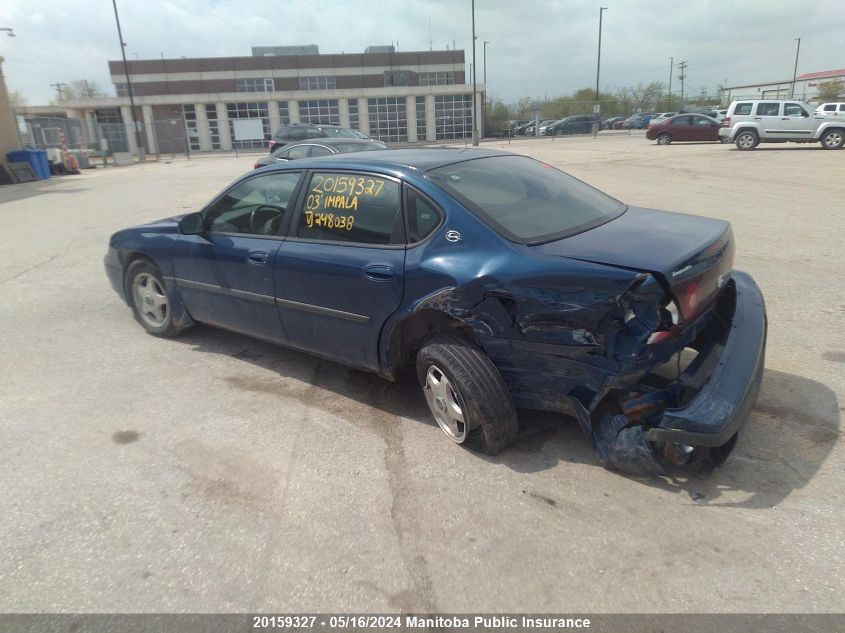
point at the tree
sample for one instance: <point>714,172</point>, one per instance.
<point>17,100</point>
<point>523,107</point>
<point>830,90</point>
<point>81,89</point>
<point>495,115</point>
<point>645,97</point>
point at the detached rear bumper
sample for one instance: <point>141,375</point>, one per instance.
<point>723,403</point>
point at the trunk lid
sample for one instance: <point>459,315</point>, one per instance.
<point>691,255</point>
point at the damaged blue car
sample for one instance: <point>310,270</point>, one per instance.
<point>503,283</point>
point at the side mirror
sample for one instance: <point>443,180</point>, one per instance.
<point>191,224</point>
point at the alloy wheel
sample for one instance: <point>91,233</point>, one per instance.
<point>446,404</point>
<point>150,299</point>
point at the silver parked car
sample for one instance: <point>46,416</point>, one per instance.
<point>318,147</point>
<point>750,122</point>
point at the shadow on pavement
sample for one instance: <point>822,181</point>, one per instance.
<point>790,434</point>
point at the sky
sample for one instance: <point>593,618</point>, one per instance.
<point>537,48</point>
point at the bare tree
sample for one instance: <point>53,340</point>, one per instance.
<point>17,99</point>
<point>81,89</point>
<point>646,96</point>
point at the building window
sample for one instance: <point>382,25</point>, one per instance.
<point>284,114</point>
<point>388,119</point>
<point>421,131</point>
<point>251,110</point>
<point>261,84</point>
<point>122,90</point>
<point>189,113</point>
<point>319,112</point>
<point>317,83</point>
<point>453,116</point>
<point>213,128</point>
<point>437,79</point>
<point>353,114</point>
<point>111,128</point>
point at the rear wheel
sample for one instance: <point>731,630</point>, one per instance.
<point>466,394</point>
<point>664,139</point>
<point>746,140</point>
<point>833,139</point>
<point>149,299</point>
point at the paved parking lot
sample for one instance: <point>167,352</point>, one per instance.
<point>217,473</point>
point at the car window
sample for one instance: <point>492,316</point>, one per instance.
<point>842,107</point>
<point>319,150</point>
<point>742,108</point>
<point>351,208</point>
<point>423,216</point>
<point>792,109</point>
<point>297,133</point>
<point>768,109</point>
<point>283,134</point>
<point>253,207</point>
<point>312,132</point>
<point>525,200</point>
<point>345,148</point>
<point>830,107</point>
<point>682,120</point>
<point>700,120</point>
<point>298,151</point>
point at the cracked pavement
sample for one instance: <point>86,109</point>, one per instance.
<point>218,473</point>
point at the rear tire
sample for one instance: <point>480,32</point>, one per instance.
<point>664,139</point>
<point>149,299</point>
<point>466,394</point>
<point>833,139</point>
<point>747,140</point>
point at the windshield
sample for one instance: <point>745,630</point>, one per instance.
<point>525,200</point>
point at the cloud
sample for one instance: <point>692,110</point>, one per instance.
<point>536,47</point>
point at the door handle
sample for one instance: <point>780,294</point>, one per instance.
<point>757,118</point>
<point>786,118</point>
<point>259,258</point>
<point>379,272</point>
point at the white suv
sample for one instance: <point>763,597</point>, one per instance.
<point>750,122</point>
<point>831,109</point>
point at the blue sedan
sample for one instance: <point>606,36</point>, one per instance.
<point>503,281</point>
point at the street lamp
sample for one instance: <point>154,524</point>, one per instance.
<point>128,85</point>
<point>9,32</point>
<point>597,107</point>
<point>474,105</point>
<point>795,71</point>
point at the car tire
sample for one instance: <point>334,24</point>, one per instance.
<point>833,139</point>
<point>664,139</point>
<point>746,140</point>
<point>149,299</point>
<point>466,394</point>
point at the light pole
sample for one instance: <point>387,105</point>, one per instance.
<point>671,72</point>
<point>128,84</point>
<point>597,107</point>
<point>683,67</point>
<point>795,70</point>
<point>484,62</point>
<point>474,104</point>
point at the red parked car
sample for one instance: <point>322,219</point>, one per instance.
<point>684,127</point>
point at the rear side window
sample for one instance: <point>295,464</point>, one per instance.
<point>319,150</point>
<point>524,200</point>
<point>768,109</point>
<point>423,216</point>
<point>742,108</point>
<point>352,208</point>
<point>314,133</point>
<point>300,151</point>
<point>682,120</point>
<point>842,107</point>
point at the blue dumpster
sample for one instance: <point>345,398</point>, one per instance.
<point>37,158</point>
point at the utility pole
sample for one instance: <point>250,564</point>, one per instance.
<point>682,76</point>
<point>795,71</point>
<point>474,106</point>
<point>671,72</point>
<point>58,86</point>
<point>597,107</point>
<point>128,84</point>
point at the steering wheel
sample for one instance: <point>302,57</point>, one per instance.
<point>263,217</point>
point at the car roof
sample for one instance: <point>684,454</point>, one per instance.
<point>331,141</point>
<point>402,159</point>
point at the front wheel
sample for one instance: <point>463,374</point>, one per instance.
<point>149,299</point>
<point>833,139</point>
<point>746,140</point>
<point>466,394</point>
<point>664,139</point>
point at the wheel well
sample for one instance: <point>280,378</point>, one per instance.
<point>747,129</point>
<point>407,337</point>
<point>131,258</point>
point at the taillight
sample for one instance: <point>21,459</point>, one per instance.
<point>257,166</point>
<point>726,121</point>
<point>690,300</point>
